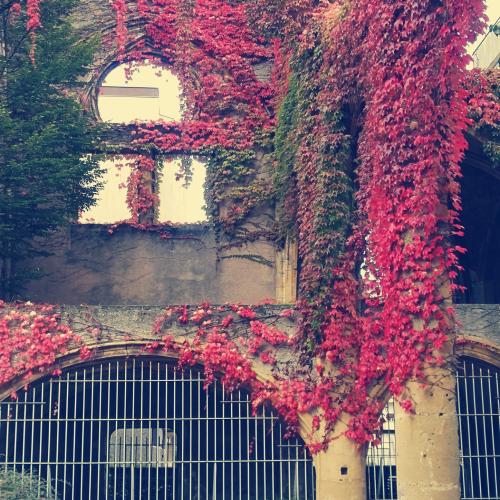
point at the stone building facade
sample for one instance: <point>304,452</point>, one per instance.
<point>131,275</point>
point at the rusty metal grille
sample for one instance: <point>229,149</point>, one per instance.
<point>478,402</point>
<point>138,429</point>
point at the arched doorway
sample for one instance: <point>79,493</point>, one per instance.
<point>138,428</point>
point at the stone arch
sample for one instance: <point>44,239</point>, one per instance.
<point>482,349</point>
<point>95,18</point>
<point>128,349</point>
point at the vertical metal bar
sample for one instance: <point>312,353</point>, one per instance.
<point>289,479</point>
<point>23,452</point>
<point>174,469</point>
<point>214,485</point>
<point>108,436</point>
<point>240,445</point>
<point>116,445</point>
<point>66,437</point>
<point>137,460</point>
<point>460,430</point>
<point>183,439</point>
<point>248,445</point>
<point>264,452</point>
<point>16,425</point>
<point>7,441</point>
<point>223,427</point>
<point>497,394</point>
<point>391,424</point>
<point>216,456</point>
<point>231,446</point>
<point>474,399</point>
<point>58,425</point>
<point>368,473</point>
<point>158,430</point>
<point>41,408</point>
<point>280,445</point>
<point>273,460</point>
<point>207,446</point>
<point>492,417</point>
<point>305,462</point>
<point>91,423</point>
<point>49,441</point>
<point>150,427</point>
<point>256,445</point>
<point>82,449</point>
<point>75,407</point>
<point>124,455</point>
<point>297,485</point>
<point>166,429</point>
<point>215,442</point>
<point>468,430</point>
<point>32,426</point>
<point>191,444</point>
<point>481,376</point>
<point>198,418</point>
<point>100,423</point>
<point>138,438</point>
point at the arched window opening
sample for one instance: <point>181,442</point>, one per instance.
<point>478,411</point>
<point>181,191</point>
<point>138,428</point>
<point>140,91</point>
<point>111,204</point>
<point>179,184</point>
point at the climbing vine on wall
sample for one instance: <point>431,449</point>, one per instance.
<point>371,102</point>
<point>31,338</point>
<point>210,47</point>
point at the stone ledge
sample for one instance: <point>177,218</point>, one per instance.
<point>476,320</point>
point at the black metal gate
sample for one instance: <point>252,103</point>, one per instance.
<point>478,405</point>
<point>139,429</point>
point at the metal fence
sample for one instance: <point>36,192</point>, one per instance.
<point>381,461</point>
<point>478,401</point>
<point>132,429</point>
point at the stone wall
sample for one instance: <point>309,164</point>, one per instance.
<point>480,320</point>
<point>90,266</point>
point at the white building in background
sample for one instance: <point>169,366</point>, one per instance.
<point>487,53</point>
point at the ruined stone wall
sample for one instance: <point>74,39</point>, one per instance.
<point>88,265</point>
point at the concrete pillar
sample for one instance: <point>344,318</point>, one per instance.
<point>427,455</point>
<point>286,273</point>
<point>340,472</point>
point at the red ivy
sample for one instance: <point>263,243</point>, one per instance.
<point>31,338</point>
<point>404,63</point>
